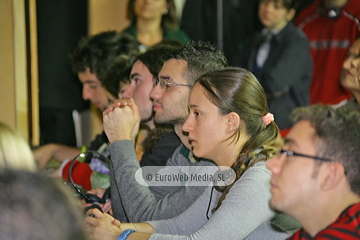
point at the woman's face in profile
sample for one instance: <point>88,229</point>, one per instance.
<point>150,9</point>
<point>207,129</point>
<point>351,72</point>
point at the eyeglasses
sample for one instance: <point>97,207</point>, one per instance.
<point>291,153</point>
<point>163,83</point>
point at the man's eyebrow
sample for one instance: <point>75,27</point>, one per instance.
<point>164,77</point>
<point>90,81</point>
<point>134,75</point>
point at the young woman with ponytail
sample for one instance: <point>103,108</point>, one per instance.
<point>229,123</point>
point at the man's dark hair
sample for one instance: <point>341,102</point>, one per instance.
<point>288,4</point>
<point>119,72</point>
<point>201,57</point>
<point>34,206</point>
<point>98,52</point>
<point>155,57</point>
<point>339,132</point>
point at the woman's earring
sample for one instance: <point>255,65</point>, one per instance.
<point>165,11</point>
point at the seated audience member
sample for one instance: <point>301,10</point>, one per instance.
<point>91,60</point>
<point>316,176</point>
<point>229,123</point>
<point>15,152</point>
<point>331,27</point>
<point>146,66</point>
<point>279,56</point>
<point>36,207</point>
<point>350,78</point>
<point>143,73</point>
<point>170,96</point>
<point>94,174</point>
<point>153,21</point>
<point>118,80</point>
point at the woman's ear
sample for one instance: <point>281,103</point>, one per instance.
<point>233,121</point>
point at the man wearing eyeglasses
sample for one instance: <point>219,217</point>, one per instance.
<point>316,176</point>
<point>132,202</point>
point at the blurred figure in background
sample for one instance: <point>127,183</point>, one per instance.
<point>331,27</point>
<point>14,151</point>
<point>279,56</point>
<point>350,78</point>
<point>36,207</point>
<point>152,21</point>
<point>91,61</point>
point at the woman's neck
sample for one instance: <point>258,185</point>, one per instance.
<point>230,151</point>
<point>149,32</point>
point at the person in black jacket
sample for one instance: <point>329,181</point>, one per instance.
<point>239,22</point>
<point>279,56</point>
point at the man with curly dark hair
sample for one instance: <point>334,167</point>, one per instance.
<point>91,60</point>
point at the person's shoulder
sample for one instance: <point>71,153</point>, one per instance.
<point>257,170</point>
<point>294,32</point>
<point>351,211</point>
<point>131,29</point>
<point>170,138</point>
<point>353,7</point>
<point>177,34</point>
<point>306,13</point>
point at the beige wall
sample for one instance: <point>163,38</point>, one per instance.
<point>7,85</point>
<point>13,80</point>
<point>105,15</point>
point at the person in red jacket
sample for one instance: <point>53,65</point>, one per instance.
<point>331,27</point>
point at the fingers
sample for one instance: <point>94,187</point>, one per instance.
<point>118,103</point>
<point>116,222</point>
<point>111,218</point>
<point>119,123</point>
<point>96,212</point>
<point>107,207</point>
<point>97,191</point>
<point>91,222</point>
<point>133,105</point>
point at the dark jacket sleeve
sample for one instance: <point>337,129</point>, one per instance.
<point>162,151</point>
<point>289,62</point>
